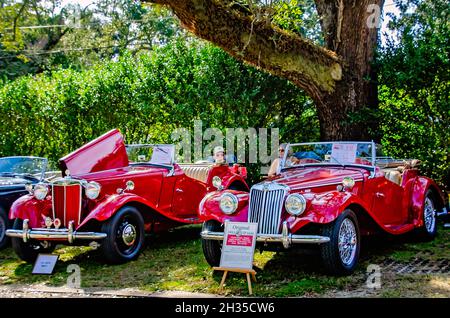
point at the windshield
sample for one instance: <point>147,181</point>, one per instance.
<point>23,166</point>
<point>340,153</point>
<point>153,154</point>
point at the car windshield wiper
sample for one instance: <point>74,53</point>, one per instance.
<point>7,174</point>
<point>22,175</point>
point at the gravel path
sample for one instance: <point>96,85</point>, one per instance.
<point>42,291</point>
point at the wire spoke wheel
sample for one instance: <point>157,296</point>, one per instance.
<point>341,254</point>
<point>429,215</point>
<point>347,241</point>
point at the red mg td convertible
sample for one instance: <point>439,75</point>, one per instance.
<point>328,194</point>
<point>112,194</point>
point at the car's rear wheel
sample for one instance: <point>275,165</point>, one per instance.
<point>429,229</point>
<point>340,255</point>
<point>125,236</point>
<point>4,225</point>
<point>29,251</point>
<point>212,249</point>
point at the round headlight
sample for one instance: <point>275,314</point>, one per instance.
<point>40,191</point>
<point>295,204</point>
<point>216,182</point>
<point>93,190</point>
<point>348,182</point>
<point>228,203</point>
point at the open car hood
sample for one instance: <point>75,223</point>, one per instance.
<point>104,153</point>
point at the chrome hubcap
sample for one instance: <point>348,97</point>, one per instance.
<point>129,234</point>
<point>347,242</point>
<point>429,215</point>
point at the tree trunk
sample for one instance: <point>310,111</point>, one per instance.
<point>339,112</point>
<point>351,31</point>
<point>338,77</point>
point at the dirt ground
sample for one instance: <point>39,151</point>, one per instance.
<point>42,291</point>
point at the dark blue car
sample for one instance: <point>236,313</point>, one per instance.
<point>15,174</point>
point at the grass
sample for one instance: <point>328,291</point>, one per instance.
<point>174,261</point>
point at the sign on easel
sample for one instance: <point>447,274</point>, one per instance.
<point>238,249</point>
<point>238,246</point>
<point>45,263</point>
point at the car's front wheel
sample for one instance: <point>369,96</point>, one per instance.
<point>29,251</point>
<point>340,255</point>
<point>212,249</point>
<point>4,225</point>
<point>125,236</point>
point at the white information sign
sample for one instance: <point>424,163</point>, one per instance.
<point>343,153</point>
<point>45,263</point>
<point>238,245</point>
<point>163,154</point>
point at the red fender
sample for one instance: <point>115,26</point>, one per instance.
<point>229,179</point>
<point>28,207</point>
<point>209,208</point>
<point>324,208</point>
<point>419,191</point>
<point>228,175</point>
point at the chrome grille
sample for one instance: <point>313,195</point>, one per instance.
<point>266,205</point>
<point>66,201</point>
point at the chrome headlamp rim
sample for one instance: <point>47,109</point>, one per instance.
<point>92,190</point>
<point>217,182</point>
<point>228,203</point>
<point>348,183</point>
<point>297,199</point>
<point>40,191</point>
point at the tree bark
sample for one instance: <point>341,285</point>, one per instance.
<point>355,45</point>
<point>338,77</point>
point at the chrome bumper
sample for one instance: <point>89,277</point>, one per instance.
<point>286,238</point>
<point>54,234</point>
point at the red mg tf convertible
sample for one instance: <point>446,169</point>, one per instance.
<point>328,194</point>
<point>112,194</point>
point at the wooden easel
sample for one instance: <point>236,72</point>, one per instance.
<point>247,273</point>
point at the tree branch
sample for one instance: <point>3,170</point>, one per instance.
<point>16,18</point>
<point>257,42</point>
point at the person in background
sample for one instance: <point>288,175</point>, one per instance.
<point>273,171</point>
<point>219,155</point>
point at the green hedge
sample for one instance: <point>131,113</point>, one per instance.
<point>147,97</point>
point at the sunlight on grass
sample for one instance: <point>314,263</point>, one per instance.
<point>441,283</point>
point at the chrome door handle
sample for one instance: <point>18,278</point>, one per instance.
<point>179,190</point>
<point>379,195</point>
